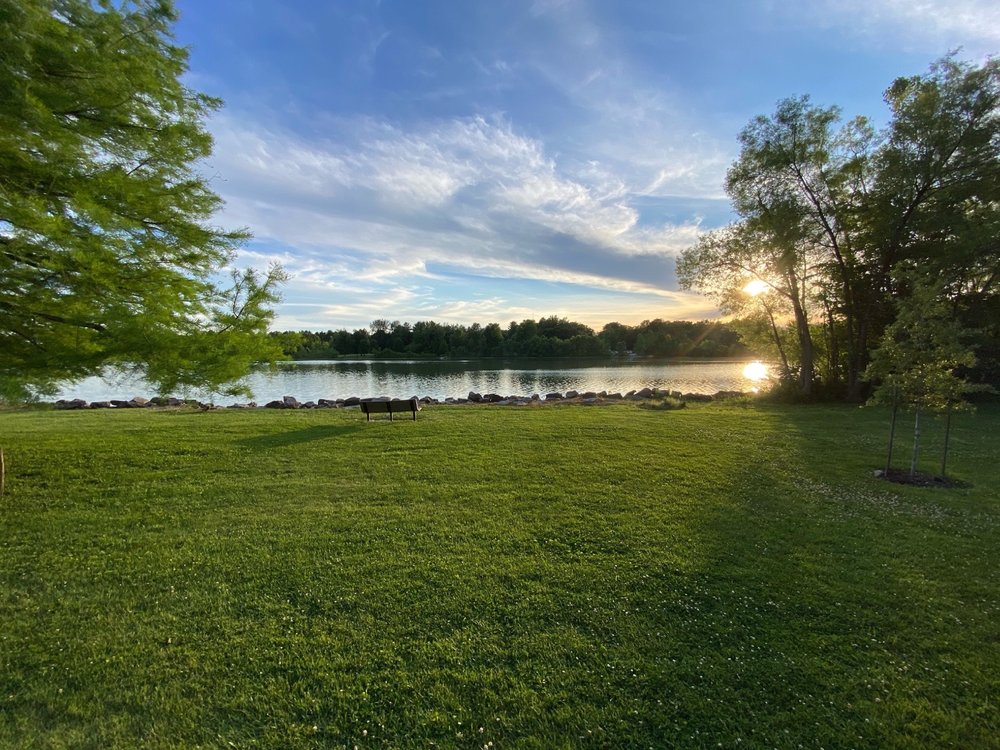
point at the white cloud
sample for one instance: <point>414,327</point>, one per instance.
<point>940,24</point>
<point>467,193</point>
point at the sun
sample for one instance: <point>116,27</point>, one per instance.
<point>755,371</point>
<point>755,287</point>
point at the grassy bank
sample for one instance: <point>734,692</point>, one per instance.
<point>551,577</point>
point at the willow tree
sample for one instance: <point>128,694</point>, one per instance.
<point>107,253</point>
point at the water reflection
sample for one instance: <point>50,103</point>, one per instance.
<point>756,371</point>
<point>309,381</point>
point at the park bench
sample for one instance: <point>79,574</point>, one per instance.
<point>395,406</point>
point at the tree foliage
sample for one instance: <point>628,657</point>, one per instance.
<point>921,356</point>
<point>548,337</point>
<point>107,254</point>
<point>832,213</point>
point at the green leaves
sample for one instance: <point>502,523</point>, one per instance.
<point>919,358</point>
<point>830,211</point>
<point>107,256</point>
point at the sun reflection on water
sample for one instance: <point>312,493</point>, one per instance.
<point>757,373</point>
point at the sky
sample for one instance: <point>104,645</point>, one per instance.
<point>494,160</point>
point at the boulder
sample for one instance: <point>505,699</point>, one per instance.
<point>588,394</point>
<point>571,394</point>
<point>697,397</point>
<point>100,404</point>
<point>119,404</point>
<point>326,403</point>
<point>475,397</point>
<point>492,398</point>
<point>352,401</point>
<point>309,405</point>
<point>645,393</point>
<point>291,402</point>
<point>553,397</point>
<point>140,401</point>
<point>275,405</point>
<point>614,396</point>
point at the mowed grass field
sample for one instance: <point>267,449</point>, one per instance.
<point>721,575</point>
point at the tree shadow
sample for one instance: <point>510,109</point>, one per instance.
<point>297,437</point>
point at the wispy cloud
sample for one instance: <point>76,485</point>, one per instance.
<point>973,25</point>
<point>469,193</point>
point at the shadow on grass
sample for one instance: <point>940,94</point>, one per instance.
<point>814,594</point>
<point>297,437</point>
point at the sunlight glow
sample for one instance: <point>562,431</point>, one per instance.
<point>755,371</point>
<point>756,287</point>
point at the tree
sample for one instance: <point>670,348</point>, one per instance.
<point>107,257</point>
<point>779,273</point>
<point>830,211</point>
<point>919,361</point>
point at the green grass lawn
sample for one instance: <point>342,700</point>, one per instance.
<point>495,577</point>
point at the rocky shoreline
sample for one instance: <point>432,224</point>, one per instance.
<point>492,399</point>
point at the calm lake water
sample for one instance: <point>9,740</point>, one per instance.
<point>309,381</point>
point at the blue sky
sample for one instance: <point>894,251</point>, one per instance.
<point>495,160</point>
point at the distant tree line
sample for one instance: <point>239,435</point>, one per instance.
<point>548,337</point>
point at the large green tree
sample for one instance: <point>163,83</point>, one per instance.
<point>107,253</point>
<point>849,206</point>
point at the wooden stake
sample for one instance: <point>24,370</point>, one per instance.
<point>3,472</point>
<point>947,435</point>
<point>892,432</point>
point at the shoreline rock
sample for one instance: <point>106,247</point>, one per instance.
<point>488,399</point>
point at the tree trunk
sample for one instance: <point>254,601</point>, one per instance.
<point>916,443</point>
<point>806,367</point>
<point>785,369</point>
<point>833,352</point>
<point>806,373</point>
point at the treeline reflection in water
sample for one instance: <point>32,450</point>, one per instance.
<point>456,378</point>
<point>309,381</point>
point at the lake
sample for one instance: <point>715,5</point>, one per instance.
<point>309,381</point>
